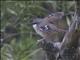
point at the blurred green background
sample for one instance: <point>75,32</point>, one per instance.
<point>19,40</point>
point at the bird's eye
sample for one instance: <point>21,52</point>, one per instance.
<point>46,27</point>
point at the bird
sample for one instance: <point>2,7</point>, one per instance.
<point>50,26</point>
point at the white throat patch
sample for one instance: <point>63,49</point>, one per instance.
<point>37,30</point>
